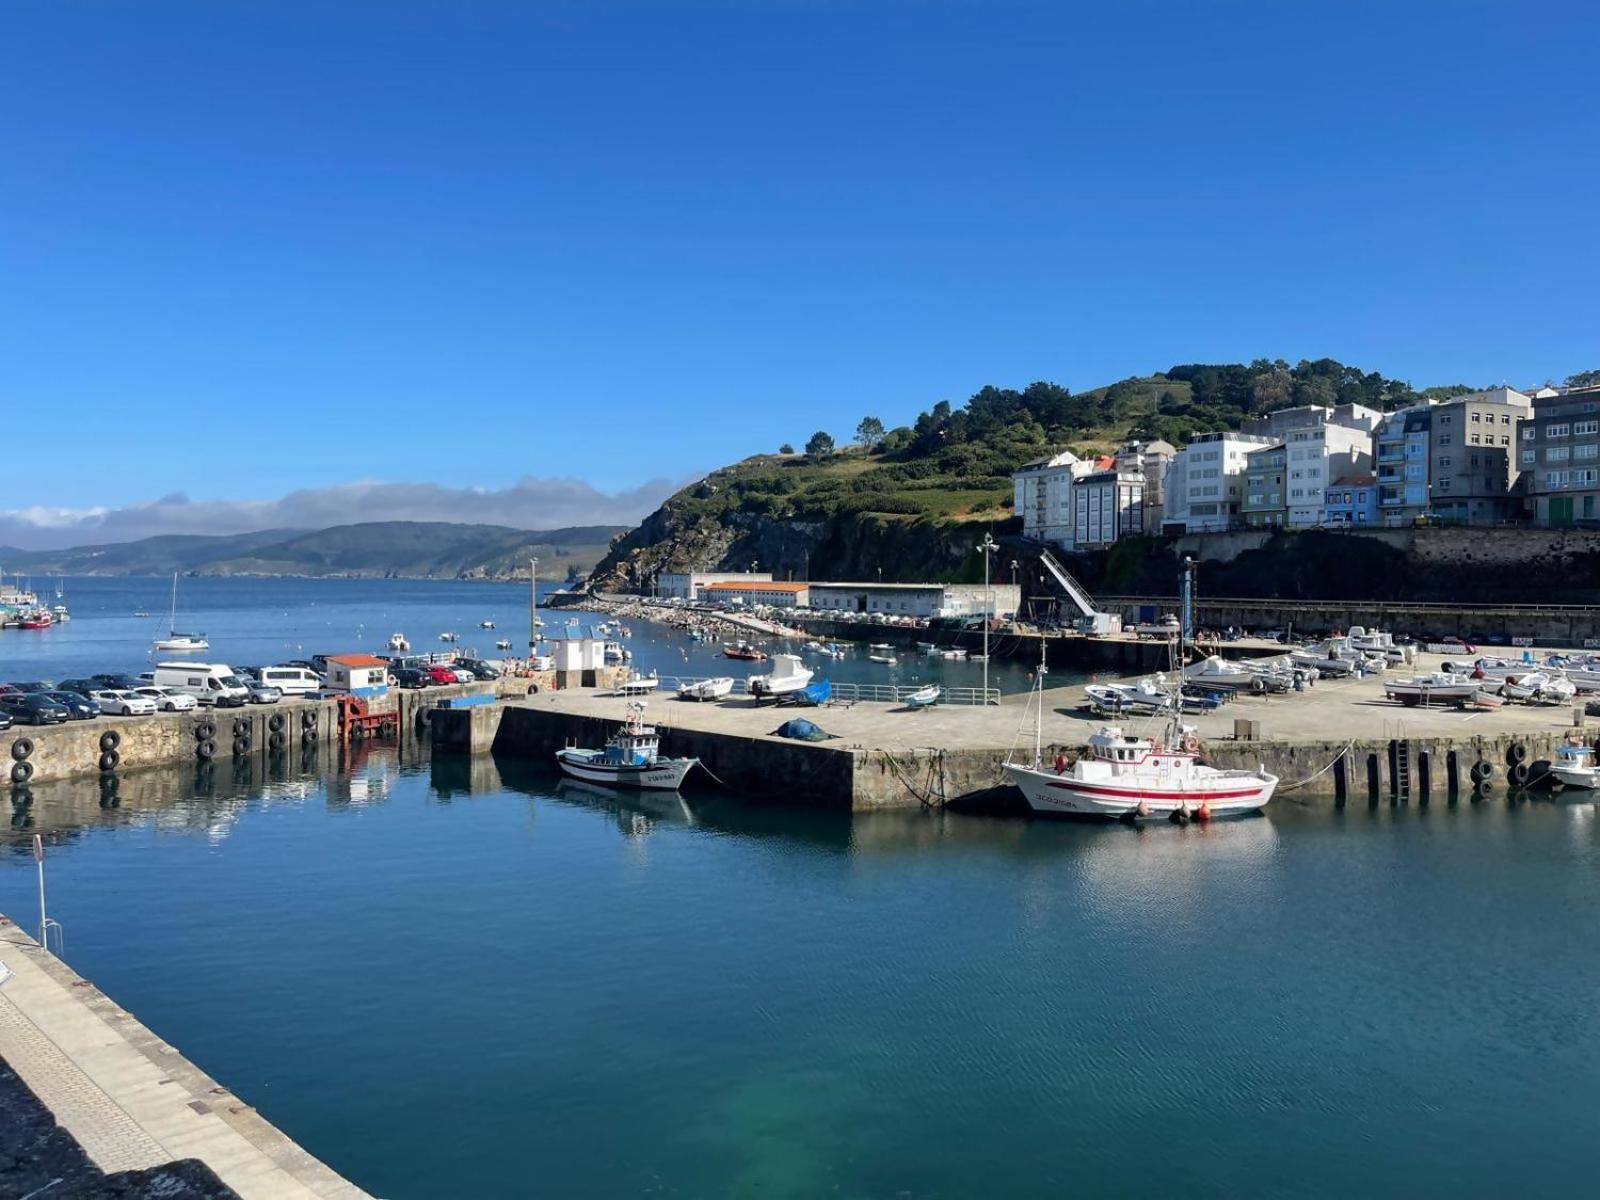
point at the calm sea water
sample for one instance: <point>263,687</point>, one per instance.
<point>254,621</point>
<point>454,979</point>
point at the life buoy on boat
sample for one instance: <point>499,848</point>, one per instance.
<point>1191,744</point>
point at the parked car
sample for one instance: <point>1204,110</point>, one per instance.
<point>35,708</point>
<point>167,699</point>
<point>10,689</point>
<point>124,703</point>
<point>479,668</point>
<point>409,677</point>
<point>261,693</point>
<point>84,687</point>
<point>462,674</point>
<point>117,681</point>
<point>34,685</point>
<point>440,674</point>
<point>81,707</point>
<point>5,719</point>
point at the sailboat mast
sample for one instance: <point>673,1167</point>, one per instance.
<point>1038,717</point>
<point>533,605</point>
<point>172,620</point>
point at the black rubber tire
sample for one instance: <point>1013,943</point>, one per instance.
<point>1517,774</point>
<point>109,760</point>
<point>533,689</point>
<point>241,746</point>
<point>21,797</point>
<point>277,740</point>
<point>1258,686</point>
<point>424,717</point>
<point>110,740</point>
<point>308,719</point>
<point>22,748</point>
<point>205,731</point>
<point>241,727</point>
<point>308,737</point>
<point>1516,753</point>
<point>1481,771</point>
<point>21,771</point>
<point>206,749</point>
<point>275,723</point>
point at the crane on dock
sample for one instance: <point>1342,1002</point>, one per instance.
<point>1090,619</point>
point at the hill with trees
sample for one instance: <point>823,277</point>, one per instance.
<point>913,499</point>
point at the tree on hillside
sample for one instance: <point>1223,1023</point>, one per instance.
<point>786,448</point>
<point>870,432</point>
<point>1583,379</point>
<point>820,445</point>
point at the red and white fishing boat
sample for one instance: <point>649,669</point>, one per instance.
<point>1120,775</point>
<point>38,618</point>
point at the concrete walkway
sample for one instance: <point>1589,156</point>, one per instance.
<point>129,1099</point>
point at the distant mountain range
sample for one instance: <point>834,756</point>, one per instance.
<point>379,549</point>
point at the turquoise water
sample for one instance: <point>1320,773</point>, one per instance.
<point>462,980</point>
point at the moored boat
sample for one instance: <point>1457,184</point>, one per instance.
<point>745,652</point>
<point>631,758</point>
<point>1574,767</point>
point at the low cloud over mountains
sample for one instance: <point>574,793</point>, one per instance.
<point>528,504</point>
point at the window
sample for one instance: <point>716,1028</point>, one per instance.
<point>1505,418</point>
<point>1442,486</point>
<point>1555,431</point>
<point>1473,460</point>
<point>1444,439</point>
<point>1474,439</point>
<point>1591,450</point>
<point>1445,462</point>
<point>1529,432</point>
<point>1587,475</point>
<point>1530,456</point>
<point>1552,479</point>
<point>1505,439</point>
<point>1585,428</point>
<point>1557,454</point>
<point>1477,417</point>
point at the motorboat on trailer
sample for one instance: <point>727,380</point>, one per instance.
<point>1127,777</point>
<point>718,688</point>
<point>788,675</point>
<point>1539,687</point>
<point>1218,674</point>
<point>1436,687</point>
<point>631,758</point>
<point>1378,641</point>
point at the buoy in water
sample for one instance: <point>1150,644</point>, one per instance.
<point>1180,816</point>
<point>1203,813</point>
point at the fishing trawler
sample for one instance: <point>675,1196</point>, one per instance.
<point>631,758</point>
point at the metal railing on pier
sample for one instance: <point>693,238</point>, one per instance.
<point>851,693</point>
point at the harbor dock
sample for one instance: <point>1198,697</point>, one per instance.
<point>131,1102</point>
<point>881,755</point>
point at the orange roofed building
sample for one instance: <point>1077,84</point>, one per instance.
<point>758,591</point>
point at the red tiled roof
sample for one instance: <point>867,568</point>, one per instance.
<point>356,660</point>
<point>747,585</point>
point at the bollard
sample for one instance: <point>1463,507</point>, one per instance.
<point>1424,775</point>
<point>1341,784</point>
<point>1452,773</point>
<point>1372,779</point>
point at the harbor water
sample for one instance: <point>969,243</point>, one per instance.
<point>457,978</point>
<point>447,977</point>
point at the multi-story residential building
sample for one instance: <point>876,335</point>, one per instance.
<point>1401,450</point>
<point>1351,500</point>
<point>1151,460</point>
<point>1042,495</point>
<point>1558,453</point>
<point>1278,425</point>
<point>1316,454</point>
<point>1107,505</point>
<point>1204,485</point>
<point>1264,487</point>
<point>1474,460</point>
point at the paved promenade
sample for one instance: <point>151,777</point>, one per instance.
<point>130,1100</point>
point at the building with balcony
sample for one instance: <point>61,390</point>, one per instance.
<point>1401,460</point>
<point>1558,455</point>
<point>1264,475</point>
<point>1107,505</point>
<point>1042,496</point>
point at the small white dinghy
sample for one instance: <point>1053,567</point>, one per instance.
<point>719,688</point>
<point>924,697</point>
<point>639,685</point>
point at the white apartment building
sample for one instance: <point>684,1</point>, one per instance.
<point>1105,506</point>
<point>1317,455</point>
<point>1205,482</point>
<point>1042,495</point>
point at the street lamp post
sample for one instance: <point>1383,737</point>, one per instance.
<point>988,546</point>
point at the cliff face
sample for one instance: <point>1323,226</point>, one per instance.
<point>853,546</point>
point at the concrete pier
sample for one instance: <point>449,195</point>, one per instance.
<point>885,756</point>
<point>130,1100</point>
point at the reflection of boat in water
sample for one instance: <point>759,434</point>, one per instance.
<point>667,808</point>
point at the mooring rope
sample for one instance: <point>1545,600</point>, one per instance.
<point>1289,787</point>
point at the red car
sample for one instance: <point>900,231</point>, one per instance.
<point>440,674</point>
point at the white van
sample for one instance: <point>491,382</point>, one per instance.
<point>208,683</point>
<point>291,681</point>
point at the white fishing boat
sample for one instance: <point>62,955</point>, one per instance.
<point>175,642</point>
<point>955,653</point>
<point>925,697</point>
<point>449,637</point>
<point>1125,776</point>
<point>639,685</point>
<point>718,688</point>
<point>485,624</point>
<point>1436,687</point>
<point>880,646</point>
<point>631,758</point>
<point>1574,767</point>
<point>887,660</point>
<point>788,675</point>
<point>503,644</point>
<point>398,643</point>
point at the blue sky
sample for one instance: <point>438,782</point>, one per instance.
<point>249,248</point>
